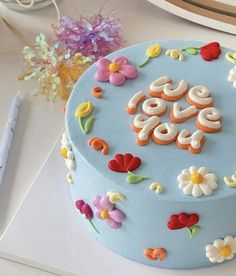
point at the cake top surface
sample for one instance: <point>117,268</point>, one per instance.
<point>160,163</point>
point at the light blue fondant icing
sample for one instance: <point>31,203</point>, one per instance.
<point>146,212</point>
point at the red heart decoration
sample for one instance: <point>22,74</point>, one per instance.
<point>124,163</point>
<point>182,220</point>
<point>210,51</point>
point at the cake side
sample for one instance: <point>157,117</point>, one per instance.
<point>147,192</point>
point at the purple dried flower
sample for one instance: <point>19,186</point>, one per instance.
<point>89,35</point>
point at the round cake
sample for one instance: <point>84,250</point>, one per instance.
<point>150,146</point>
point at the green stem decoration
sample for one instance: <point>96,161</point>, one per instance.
<point>133,178</point>
<point>191,50</point>
<point>94,227</point>
<point>81,125</point>
<point>145,62</point>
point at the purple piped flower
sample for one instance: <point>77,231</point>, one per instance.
<point>115,71</point>
<point>107,211</point>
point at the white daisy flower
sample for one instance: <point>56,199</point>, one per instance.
<point>197,182</point>
<point>221,250</point>
<point>66,152</point>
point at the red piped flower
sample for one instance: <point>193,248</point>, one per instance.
<point>210,51</point>
<point>124,163</point>
<point>182,220</point>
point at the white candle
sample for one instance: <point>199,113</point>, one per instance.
<point>8,133</point>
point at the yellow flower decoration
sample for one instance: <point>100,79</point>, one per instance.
<point>156,187</point>
<point>114,197</point>
<point>230,182</point>
<point>83,110</point>
<point>231,57</point>
<point>175,54</point>
<point>151,52</point>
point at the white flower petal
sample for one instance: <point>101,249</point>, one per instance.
<point>213,254</point>
<point>234,245</point>
<point>193,169</point>
<point>70,155</point>
<point>220,259</point>
<point>210,247</point>
<point>70,164</point>
<point>183,178</point>
<point>206,189</point>
<point>233,248</point>
<point>197,191</point>
<point>213,260</point>
<point>228,240</point>
<point>68,145</point>
<point>203,170</point>
<point>186,172</point>
<point>188,189</point>
<point>183,184</point>
<point>230,257</point>
<point>212,183</point>
<point>211,176</point>
<point>218,243</point>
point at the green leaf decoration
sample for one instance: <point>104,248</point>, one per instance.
<point>133,178</point>
<point>194,230</point>
<point>81,125</point>
<point>191,51</point>
<point>89,124</point>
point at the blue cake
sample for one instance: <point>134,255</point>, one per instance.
<point>150,146</point>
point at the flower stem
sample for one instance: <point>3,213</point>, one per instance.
<point>145,62</point>
<point>94,227</point>
<point>81,125</point>
<point>184,49</point>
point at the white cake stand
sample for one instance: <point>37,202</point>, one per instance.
<point>216,14</point>
<point>46,232</point>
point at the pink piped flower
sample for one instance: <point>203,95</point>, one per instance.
<point>84,208</point>
<point>86,212</point>
<point>107,211</point>
<point>115,71</point>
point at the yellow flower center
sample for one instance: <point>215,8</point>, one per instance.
<point>114,67</point>
<point>104,214</point>
<point>225,251</point>
<point>64,152</point>
<point>196,178</point>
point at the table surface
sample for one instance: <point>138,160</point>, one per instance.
<point>40,121</point>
